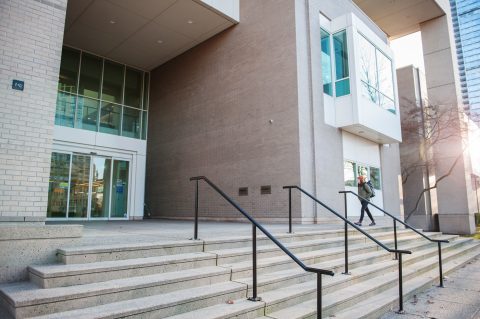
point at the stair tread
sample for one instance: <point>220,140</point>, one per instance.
<point>29,294</point>
<point>220,311</point>
<point>49,271</point>
<point>141,305</point>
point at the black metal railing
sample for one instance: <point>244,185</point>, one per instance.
<point>395,251</point>
<point>395,220</point>
<point>256,225</point>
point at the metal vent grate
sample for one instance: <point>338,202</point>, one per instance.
<point>243,191</point>
<point>266,189</point>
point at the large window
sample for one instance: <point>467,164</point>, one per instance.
<point>326,63</point>
<point>100,95</point>
<point>351,171</point>
<point>342,81</point>
<point>376,75</point>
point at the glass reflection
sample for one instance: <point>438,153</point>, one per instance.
<point>67,80</point>
<point>120,189</point>
<point>367,63</point>
<point>133,88</point>
<point>112,82</point>
<point>65,109</point>
<point>131,122</point>
<point>78,205</point>
<point>326,63</point>
<point>90,75</point>
<point>87,114</point>
<point>58,185</point>
<point>110,115</point>
<point>100,201</point>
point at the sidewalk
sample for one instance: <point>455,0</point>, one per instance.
<point>460,299</point>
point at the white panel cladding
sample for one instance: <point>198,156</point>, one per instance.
<point>83,141</point>
<point>367,153</point>
<point>230,8</point>
<point>354,112</point>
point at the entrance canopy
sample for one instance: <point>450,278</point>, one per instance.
<point>401,17</point>
<point>145,33</point>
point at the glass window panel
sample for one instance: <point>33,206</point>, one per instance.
<point>341,54</point>
<point>100,202</point>
<point>144,125</point>
<point>349,173</point>
<point>79,185</point>
<point>65,109</point>
<point>146,91</point>
<point>362,170</point>
<point>369,92</point>
<point>90,75</point>
<point>133,88</point>
<point>69,70</point>
<point>131,122</point>
<point>326,63</point>
<point>387,103</point>
<point>112,82</point>
<point>368,65</point>
<point>120,189</point>
<point>58,185</point>
<point>342,87</point>
<point>110,115</point>
<point>385,75</point>
<point>375,177</point>
<point>87,114</point>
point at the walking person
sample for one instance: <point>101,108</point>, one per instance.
<point>366,192</point>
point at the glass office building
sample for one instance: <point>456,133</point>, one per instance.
<point>466,26</point>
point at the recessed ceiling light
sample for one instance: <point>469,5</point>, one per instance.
<point>190,21</point>
<point>159,41</point>
<point>113,21</point>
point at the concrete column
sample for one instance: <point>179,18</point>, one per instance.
<point>455,204</point>
<point>31,37</point>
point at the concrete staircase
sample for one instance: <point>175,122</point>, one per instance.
<point>211,279</point>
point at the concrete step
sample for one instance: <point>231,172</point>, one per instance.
<point>159,306</point>
<point>51,276</point>
<point>278,279</point>
<point>88,254</point>
<point>336,301</point>
<point>230,256</point>
<point>27,300</point>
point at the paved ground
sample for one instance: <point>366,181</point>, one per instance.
<point>460,299</point>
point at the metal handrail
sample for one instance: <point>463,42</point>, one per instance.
<point>395,220</point>
<point>256,225</point>
<point>396,251</point>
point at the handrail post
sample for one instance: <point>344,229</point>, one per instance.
<point>195,232</point>
<point>289,210</point>
<point>319,296</point>
<point>400,284</point>
<point>254,264</point>
<point>395,235</point>
<point>346,235</point>
<point>440,262</point>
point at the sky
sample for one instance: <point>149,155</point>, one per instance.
<point>408,50</point>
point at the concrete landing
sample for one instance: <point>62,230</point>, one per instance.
<point>460,299</point>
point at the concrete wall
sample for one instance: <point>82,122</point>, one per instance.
<point>455,208</point>
<point>31,36</point>
<point>228,109</point>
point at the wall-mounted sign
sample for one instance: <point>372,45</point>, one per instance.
<point>18,85</point>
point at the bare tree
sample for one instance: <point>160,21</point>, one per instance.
<point>426,126</point>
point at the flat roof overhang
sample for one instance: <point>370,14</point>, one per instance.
<point>145,33</point>
<point>398,18</point>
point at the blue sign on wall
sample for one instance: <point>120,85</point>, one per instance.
<point>18,85</point>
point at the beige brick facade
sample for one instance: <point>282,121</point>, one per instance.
<point>31,36</point>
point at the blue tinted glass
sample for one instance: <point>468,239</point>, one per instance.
<point>341,54</point>
<point>342,87</point>
<point>326,63</point>
<point>65,111</point>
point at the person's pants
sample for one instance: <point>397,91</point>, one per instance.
<point>365,208</point>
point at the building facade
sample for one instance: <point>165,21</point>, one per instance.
<point>109,107</point>
<point>466,25</point>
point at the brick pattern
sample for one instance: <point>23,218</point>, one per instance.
<point>31,37</point>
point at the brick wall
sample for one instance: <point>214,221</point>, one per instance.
<point>31,36</point>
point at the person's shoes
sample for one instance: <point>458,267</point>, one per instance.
<point>372,224</point>
<point>358,223</point>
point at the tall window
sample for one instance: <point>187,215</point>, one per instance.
<point>326,63</point>
<point>376,75</point>
<point>100,95</point>
<point>342,81</point>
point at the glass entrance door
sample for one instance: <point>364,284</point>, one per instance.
<point>88,187</point>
